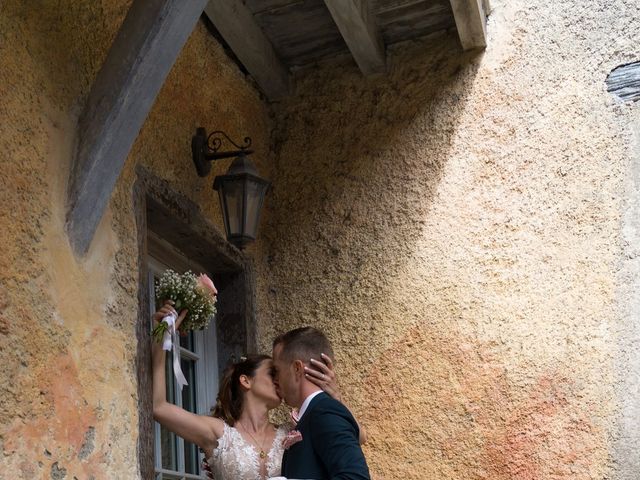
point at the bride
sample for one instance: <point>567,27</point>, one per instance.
<point>238,441</point>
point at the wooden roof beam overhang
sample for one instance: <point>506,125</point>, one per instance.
<point>471,22</point>
<point>142,54</point>
<point>360,32</point>
<point>237,26</point>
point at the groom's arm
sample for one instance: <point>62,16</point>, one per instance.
<point>335,441</point>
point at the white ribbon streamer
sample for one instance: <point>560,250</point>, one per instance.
<point>170,341</point>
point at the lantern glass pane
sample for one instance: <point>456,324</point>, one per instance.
<point>233,192</point>
<point>255,196</point>
<point>223,208</point>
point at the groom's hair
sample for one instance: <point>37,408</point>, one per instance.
<point>304,343</point>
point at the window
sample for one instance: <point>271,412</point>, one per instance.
<point>172,230</point>
<point>174,458</point>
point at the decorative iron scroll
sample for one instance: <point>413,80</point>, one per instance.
<point>215,140</point>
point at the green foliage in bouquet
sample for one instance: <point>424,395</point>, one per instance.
<point>196,294</point>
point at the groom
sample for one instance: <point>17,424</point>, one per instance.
<point>329,448</point>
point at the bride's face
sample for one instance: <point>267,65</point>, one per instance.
<point>263,386</point>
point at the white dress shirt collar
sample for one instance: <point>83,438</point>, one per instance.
<point>306,403</point>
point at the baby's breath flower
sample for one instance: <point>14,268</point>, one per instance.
<point>183,290</point>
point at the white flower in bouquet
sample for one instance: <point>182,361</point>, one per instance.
<point>196,294</point>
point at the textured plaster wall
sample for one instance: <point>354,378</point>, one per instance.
<point>68,407</point>
<point>463,229</point>
<point>456,228</point>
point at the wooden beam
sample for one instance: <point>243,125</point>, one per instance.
<point>237,26</point>
<point>360,32</point>
<point>624,82</point>
<point>143,52</point>
<point>471,21</point>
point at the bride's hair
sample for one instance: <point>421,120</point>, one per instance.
<point>230,396</point>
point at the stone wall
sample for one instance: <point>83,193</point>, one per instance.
<point>68,407</point>
<point>455,227</point>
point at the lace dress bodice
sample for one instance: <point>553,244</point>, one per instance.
<point>236,459</point>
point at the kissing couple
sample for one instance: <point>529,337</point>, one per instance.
<point>239,442</point>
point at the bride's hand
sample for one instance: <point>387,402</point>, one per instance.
<point>167,309</point>
<point>323,375</point>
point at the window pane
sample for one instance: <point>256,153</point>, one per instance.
<point>168,440</point>
<point>191,462</point>
<point>187,341</point>
<point>189,391</point>
<point>169,448</point>
<point>154,301</point>
<point>169,378</point>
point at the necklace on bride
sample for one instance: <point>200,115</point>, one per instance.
<point>263,454</point>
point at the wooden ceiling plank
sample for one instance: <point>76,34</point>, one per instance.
<point>239,29</point>
<point>302,33</point>
<point>412,20</point>
<point>360,32</point>
<point>471,22</point>
<point>382,6</point>
<point>259,6</point>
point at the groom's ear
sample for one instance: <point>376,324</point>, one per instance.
<point>298,367</point>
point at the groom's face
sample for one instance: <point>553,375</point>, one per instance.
<point>284,377</point>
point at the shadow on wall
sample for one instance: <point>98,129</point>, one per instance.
<point>360,169</point>
<point>358,162</point>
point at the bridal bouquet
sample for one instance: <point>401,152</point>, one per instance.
<point>196,294</point>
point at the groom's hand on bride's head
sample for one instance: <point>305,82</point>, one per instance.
<point>323,375</point>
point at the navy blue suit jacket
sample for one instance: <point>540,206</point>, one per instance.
<point>330,446</point>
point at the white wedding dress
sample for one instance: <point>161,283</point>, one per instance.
<point>236,459</point>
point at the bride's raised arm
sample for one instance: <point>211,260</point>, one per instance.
<point>324,376</point>
<point>202,430</point>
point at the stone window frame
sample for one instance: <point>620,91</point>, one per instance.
<point>179,221</point>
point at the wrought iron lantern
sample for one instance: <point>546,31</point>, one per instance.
<point>241,190</point>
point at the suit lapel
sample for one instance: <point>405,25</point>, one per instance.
<point>301,463</point>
